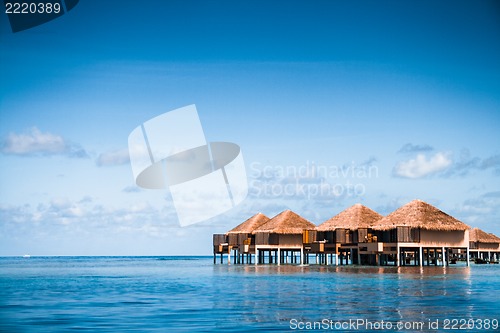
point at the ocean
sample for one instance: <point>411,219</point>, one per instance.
<point>191,294</point>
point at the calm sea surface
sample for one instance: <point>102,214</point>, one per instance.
<point>167,294</point>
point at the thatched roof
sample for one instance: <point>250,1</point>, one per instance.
<point>354,217</point>
<point>249,225</point>
<point>419,214</point>
<point>286,222</point>
<point>478,235</point>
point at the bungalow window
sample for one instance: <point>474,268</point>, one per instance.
<point>340,234</point>
<point>393,236</point>
<point>348,236</point>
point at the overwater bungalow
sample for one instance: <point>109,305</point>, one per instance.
<point>281,239</point>
<point>342,234</point>
<point>420,234</point>
<point>484,247</point>
<point>416,234</point>
<point>240,239</point>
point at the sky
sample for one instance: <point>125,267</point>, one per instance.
<point>332,103</point>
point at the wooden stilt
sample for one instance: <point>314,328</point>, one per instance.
<point>419,256</point>
<point>443,255</point>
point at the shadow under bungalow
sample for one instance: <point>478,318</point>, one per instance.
<point>416,234</point>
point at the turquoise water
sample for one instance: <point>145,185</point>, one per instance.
<point>166,294</point>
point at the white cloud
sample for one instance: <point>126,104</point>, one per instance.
<point>411,148</point>
<point>84,214</point>
<point>38,143</point>
<point>116,157</point>
<point>482,211</point>
<point>422,166</point>
<point>463,165</point>
<point>132,189</point>
<point>63,226</point>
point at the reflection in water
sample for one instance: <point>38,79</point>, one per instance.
<point>271,293</point>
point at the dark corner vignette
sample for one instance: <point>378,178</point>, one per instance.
<point>27,14</point>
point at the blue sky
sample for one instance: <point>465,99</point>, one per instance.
<point>409,90</point>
